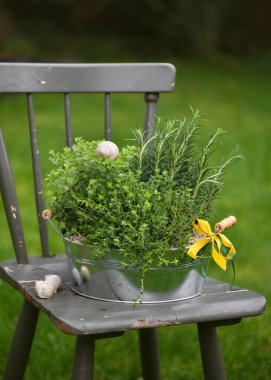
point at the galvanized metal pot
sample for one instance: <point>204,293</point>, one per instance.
<point>108,279</point>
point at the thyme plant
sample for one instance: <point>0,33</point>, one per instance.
<point>144,203</point>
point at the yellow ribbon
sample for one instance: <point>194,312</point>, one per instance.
<point>202,227</point>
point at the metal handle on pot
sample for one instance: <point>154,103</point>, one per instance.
<point>225,223</point>
<point>47,214</point>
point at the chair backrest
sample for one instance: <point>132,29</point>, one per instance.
<point>149,79</point>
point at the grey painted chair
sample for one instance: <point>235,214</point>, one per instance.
<point>74,314</point>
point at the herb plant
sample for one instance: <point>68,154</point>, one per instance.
<point>144,203</point>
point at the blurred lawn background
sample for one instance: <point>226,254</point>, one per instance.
<point>229,82</point>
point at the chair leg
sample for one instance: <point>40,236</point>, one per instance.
<point>22,342</point>
<point>149,351</point>
<point>84,358</point>
<point>211,357</point>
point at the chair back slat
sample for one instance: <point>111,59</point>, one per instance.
<point>107,117</point>
<point>11,206</point>
<point>126,77</point>
<point>40,204</point>
<point>68,120</point>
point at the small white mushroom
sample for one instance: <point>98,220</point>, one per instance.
<point>48,287</point>
<point>44,289</point>
<point>85,273</point>
<point>54,279</point>
<point>76,276</point>
<point>108,150</point>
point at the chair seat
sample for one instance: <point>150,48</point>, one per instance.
<point>78,315</point>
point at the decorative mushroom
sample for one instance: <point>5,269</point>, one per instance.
<point>54,279</point>
<point>44,289</point>
<point>48,287</point>
<point>107,149</point>
<point>76,276</point>
<point>85,273</point>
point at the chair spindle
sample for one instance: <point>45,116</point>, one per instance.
<point>68,119</point>
<point>11,205</point>
<point>40,204</point>
<point>107,117</point>
<point>151,100</point>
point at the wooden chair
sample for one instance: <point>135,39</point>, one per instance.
<point>74,314</point>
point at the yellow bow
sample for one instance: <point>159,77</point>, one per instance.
<point>202,227</point>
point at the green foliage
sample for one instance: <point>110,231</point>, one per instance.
<point>143,204</point>
<point>176,149</point>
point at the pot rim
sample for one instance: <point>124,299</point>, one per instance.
<point>118,262</point>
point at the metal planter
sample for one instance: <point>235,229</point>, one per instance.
<point>108,279</point>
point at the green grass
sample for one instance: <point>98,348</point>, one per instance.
<point>234,96</point>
